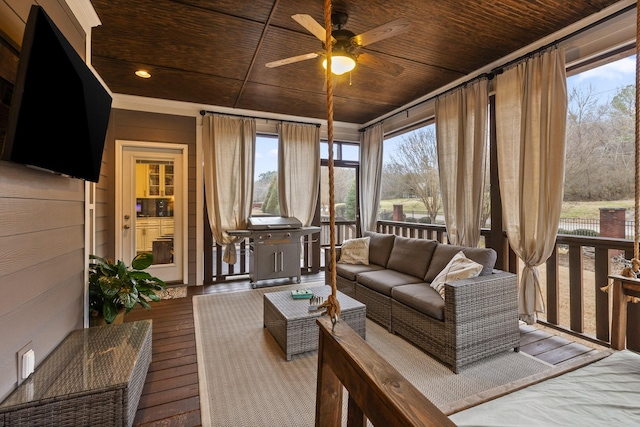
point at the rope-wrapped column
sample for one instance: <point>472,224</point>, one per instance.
<point>331,304</point>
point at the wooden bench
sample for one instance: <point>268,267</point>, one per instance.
<point>94,377</point>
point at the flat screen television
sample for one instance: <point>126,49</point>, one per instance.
<point>59,110</point>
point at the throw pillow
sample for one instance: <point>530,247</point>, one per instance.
<point>355,251</point>
<point>460,267</point>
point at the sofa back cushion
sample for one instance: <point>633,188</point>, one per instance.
<point>411,256</point>
<point>444,253</point>
<point>380,246</point>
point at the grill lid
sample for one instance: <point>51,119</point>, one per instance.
<point>272,223</point>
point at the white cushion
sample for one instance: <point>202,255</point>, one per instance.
<point>355,251</point>
<point>460,267</point>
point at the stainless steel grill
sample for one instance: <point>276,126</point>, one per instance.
<point>274,247</point>
<point>261,223</point>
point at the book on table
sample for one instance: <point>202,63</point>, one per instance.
<point>301,294</point>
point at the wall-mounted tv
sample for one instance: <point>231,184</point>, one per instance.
<point>59,110</point>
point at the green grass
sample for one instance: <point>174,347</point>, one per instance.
<point>569,209</point>
<point>592,209</point>
<point>408,205</point>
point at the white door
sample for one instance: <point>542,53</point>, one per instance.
<point>152,212</point>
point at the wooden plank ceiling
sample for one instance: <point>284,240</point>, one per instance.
<point>214,52</point>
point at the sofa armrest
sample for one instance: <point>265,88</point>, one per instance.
<point>485,303</point>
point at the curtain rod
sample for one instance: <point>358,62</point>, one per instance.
<point>498,70</point>
<point>205,112</point>
<point>489,76</point>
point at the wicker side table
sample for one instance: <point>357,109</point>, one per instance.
<point>294,328</point>
<point>94,377</point>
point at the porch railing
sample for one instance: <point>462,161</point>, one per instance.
<point>217,270</point>
<point>570,280</point>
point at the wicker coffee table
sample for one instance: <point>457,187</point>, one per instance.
<point>294,328</point>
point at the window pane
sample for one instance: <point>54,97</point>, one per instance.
<point>265,186</point>
<point>324,150</point>
<point>599,177</point>
<point>350,152</point>
<point>154,209</point>
<point>410,178</point>
<point>345,202</point>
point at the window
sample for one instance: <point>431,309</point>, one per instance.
<point>599,179</point>
<point>345,189</point>
<point>347,151</point>
<point>600,136</point>
<point>410,180</point>
<point>265,185</point>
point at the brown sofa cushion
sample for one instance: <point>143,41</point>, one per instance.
<point>412,256</point>
<point>380,246</point>
<point>420,297</point>
<point>444,253</point>
<point>350,271</point>
<point>384,280</point>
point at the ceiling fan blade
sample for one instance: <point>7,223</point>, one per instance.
<point>291,60</point>
<point>382,32</point>
<point>373,61</point>
<point>312,26</point>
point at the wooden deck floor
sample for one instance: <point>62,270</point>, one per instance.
<point>170,396</point>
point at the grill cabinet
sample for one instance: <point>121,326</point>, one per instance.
<point>274,247</point>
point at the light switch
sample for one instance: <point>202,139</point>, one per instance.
<point>28,363</point>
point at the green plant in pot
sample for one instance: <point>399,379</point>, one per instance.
<point>116,288</point>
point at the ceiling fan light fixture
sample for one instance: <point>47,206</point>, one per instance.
<point>340,64</point>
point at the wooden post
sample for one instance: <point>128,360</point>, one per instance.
<point>328,392</point>
<point>619,317</point>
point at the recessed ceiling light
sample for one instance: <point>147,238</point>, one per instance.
<point>143,73</point>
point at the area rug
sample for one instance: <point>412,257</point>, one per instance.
<point>245,380</point>
<point>172,292</point>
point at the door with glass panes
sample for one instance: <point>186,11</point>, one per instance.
<point>152,208</point>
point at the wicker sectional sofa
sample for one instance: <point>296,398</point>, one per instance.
<point>477,318</point>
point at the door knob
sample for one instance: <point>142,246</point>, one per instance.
<point>127,217</point>
<point>126,227</point>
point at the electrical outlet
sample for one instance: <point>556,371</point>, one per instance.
<point>26,362</point>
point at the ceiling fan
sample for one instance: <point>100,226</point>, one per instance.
<point>346,45</point>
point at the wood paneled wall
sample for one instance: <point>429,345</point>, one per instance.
<point>42,238</point>
<point>152,127</point>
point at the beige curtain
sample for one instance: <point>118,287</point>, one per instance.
<point>298,170</point>
<point>229,151</point>
<point>371,149</point>
<point>531,112</point>
<point>461,135</point>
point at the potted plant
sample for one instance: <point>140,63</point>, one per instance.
<point>115,288</point>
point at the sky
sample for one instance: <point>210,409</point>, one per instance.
<point>605,80</point>
<point>266,155</point>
